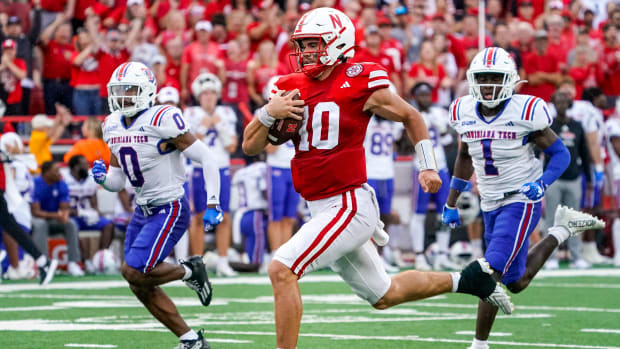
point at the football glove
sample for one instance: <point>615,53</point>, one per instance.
<point>99,171</point>
<point>450,216</point>
<point>599,179</point>
<point>212,217</point>
<point>533,190</point>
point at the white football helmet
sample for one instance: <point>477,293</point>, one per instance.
<point>461,253</point>
<point>468,205</point>
<point>131,89</point>
<point>336,34</point>
<point>206,82</point>
<point>11,139</point>
<point>493,60</point>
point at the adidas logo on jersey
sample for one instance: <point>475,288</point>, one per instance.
<point>141,128</point>
<point>509,123</point>
<point>345,85</point>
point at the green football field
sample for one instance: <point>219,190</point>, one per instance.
<point>562,309</point>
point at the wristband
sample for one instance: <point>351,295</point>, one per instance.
<point>426,155</point>
<point>459,184</point>
<point>265,118</point>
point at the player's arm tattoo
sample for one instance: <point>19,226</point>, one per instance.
<point>543,138</point>
<point>463,169</point>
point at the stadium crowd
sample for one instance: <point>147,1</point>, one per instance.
<point>216,60</point>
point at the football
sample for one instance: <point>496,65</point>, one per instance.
<point>283,129</point>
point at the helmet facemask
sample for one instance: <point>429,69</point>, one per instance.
<point>491,87</point>
<point>127,98</point>
<point>310,55</point>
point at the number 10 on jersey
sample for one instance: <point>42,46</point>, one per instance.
<point>325,127</point>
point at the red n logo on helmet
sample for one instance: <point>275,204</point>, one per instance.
<point>335,21</point>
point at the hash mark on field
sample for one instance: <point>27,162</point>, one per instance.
<point>493,334</point>
<point>600,330</point>
<point>576,285</point>
<point>75,345</point>
<point>222,340</point>
<point>414,338</point>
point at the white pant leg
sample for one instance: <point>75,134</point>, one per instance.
<point>339,225</point>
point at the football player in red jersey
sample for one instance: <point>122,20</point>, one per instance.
<point>329,171</point>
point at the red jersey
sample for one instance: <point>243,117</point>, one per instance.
<point>108,61</point>
<point>173,72</point>
<point>11,84</point>
<point>87,73</point>
<point>262,75</point>
<point>236,87</point>
<point>55,64</point>
<point>533,63</point>
<point>432,76</point>
<point>329,148</point>
<point>395,50</point>
<point>200,59</point>
<point>53,5</point>
<point>608,71</point>
<point>364,55</point>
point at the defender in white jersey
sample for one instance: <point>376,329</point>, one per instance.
<point>281,194</point>
<point>146,143</point>
<point>436,120</point>
<point>249,202</point>
<point>498,131</point>
<point>83,195</point>
<point>612,134</point>
<point>215,126</point>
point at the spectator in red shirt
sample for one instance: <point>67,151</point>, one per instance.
<point>470,35</point>
<point>57,53</point>
<point>559,46</point>
<point>159,66</point>
<point>267,27</point>
<point>391,47</point>
<point>583,69</point>
<point>174,52</point>
<point>429,71</point>
<point>12,70</point>
<point>260,70</point>
<point>235,89</point>
<point>85,78</point>
<point>372,52</point>
<point>455,45</point>
<point>525,11</point>
<point>541,68</point>
<point>525,35</point>
<point>201,56</point>
<point>608,73</point>
<point>111,52</point>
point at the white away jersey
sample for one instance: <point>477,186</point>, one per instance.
<point>212,136</point>
<point>378,144</point>
<point>502,156</point>
<point>437,122</point>
<point>281,158</point>
<point>249,186</point>
<point>589,116</point>
<point>155,170</point>
<point>80,192</point>
<point>612,130</point>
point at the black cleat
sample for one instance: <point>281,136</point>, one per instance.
<point>476,280</point>
<point>46,272</point>
<point>199,281</point>
<point>199,343</point>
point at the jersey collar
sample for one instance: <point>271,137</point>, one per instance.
<point>496,116</point>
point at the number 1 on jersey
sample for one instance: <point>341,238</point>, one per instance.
<point>489,169</point>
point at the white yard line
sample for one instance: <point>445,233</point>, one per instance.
<point>419,339</point>
<point>493,334</point>
<point>75,345</point>
<point>264,280</point>
<point>600,330</point>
